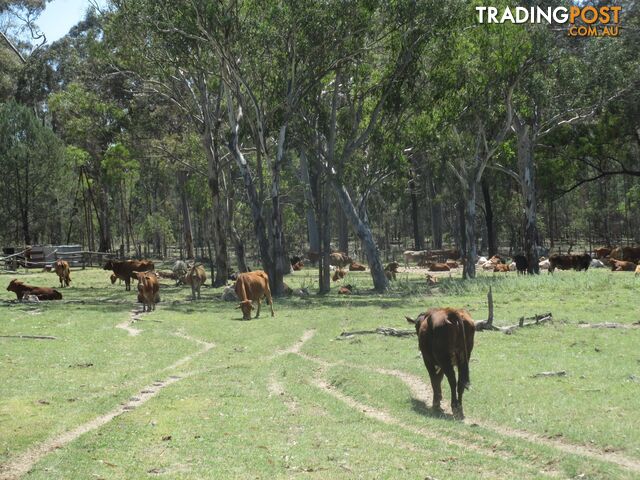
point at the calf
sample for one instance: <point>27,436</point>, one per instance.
<point>253,287</point>
<point>195,276</point>
<point>445,338</point>
<point>148,290</point>
<point>43,293</point>
<point>62,270</point>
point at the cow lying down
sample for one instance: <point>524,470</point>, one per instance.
<point>445,338</point>
<point>22,290</point>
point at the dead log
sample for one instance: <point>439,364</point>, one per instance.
<point>36,337</point>
<point>560,373</point>
<point>607,325</point>
<point>387,331</point>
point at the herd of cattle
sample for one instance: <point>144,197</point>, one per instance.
<point>445,335</point>
<point>619,259</point>
<point>249,288</point>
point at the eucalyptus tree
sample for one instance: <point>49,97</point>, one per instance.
<point>32,162</point>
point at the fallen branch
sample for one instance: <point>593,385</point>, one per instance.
<point>538,319</point>
<point>387,331</point>
<point>607,325</point>
<point>560,373</point>
<point>36,337</point>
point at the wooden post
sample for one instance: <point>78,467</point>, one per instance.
<point>490,302</point>
<point>521,322</point>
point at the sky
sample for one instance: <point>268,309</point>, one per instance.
<point>60,15</point>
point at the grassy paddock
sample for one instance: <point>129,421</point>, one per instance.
<point>247,408</point>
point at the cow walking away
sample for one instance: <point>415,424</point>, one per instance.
<point>62,270</point>
<point>148,290</point>
<point>23,290</point>
<point>195,276</point>
<point>445,338</point>
<point>253,287</point>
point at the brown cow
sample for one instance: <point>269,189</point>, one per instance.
<point>452,263</point>
<point>414,256</point>
<point>629,254</point>
<point>391,270</point>
<point>123,269</point>
<point>622,266</point>
<point>439,267</point>
<point>501,267</point>
<point>345,290</point>
<point>195,276</point>
<point>297,266</point>
<point>148,290</point>
<point>253,287</point>
<point>339,259</point>
<point>339,274</point>
<point>62,270</point>
<point>357,267</point>
<point>22,290</point>
<point>445,338</point>
<point>566,262</point>
<point>602,252</point>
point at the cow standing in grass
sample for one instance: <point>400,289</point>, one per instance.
<point>195,276</point>
<point>148,290</point>
<point>253,287</point>
<point>62,270</point>
<point>124,269</point>
<point>445,338</point>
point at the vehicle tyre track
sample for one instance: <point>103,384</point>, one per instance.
<point>421,392</point>
<point>21,464</point>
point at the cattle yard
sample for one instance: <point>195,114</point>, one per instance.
<point>92,388</point>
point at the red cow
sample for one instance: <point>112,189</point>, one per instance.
<point>148,290</point>
<point>253,287</point>
<point>62,270</point>
<point>123,269</point>
<point>43,293</point>
<point>445,338</point>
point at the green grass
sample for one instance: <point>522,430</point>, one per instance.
<point>226,421</point>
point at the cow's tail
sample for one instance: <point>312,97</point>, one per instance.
<point>463,363</point>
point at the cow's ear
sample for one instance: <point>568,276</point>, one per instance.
<point>411,320</point>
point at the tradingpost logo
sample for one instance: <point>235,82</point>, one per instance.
<point>586,21</point>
